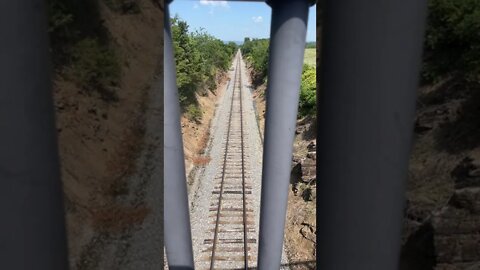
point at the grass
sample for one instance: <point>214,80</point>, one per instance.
<point>96,68</point>
<point>194,113</point>
<point>310,57</point>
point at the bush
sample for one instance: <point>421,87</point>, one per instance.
<point>308,88</point>
<point>193,113</point>
<point>199,57</point>
<point>256,53</point>
<point>452,44</point>
<point>96,67</point>
<point>80,44</point>
<point>59,18</point>
<point>69,22</point>
<point>60,29</point>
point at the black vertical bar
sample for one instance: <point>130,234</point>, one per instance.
<point>32,227</point>
<point>369,75</point>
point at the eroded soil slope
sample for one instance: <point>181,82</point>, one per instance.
<point>100,139</point>
<point>196,134</point>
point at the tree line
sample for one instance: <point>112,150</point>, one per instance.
<point>452,43</point>
<point>199,58</point>
<point>256,53</point>
<point>451,50</point>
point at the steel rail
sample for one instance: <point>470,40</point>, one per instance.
<point>245,231</point>
<point>220,196</point>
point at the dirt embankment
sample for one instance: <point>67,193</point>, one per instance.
<point>196,134</point>
<point>300,227</point>
<point>100,140</point>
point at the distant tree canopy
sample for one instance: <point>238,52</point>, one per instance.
<point>199,57</point>
<point>452,43</point>
<point>311,44</point>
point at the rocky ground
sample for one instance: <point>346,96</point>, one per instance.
<point>300,232</point>
<point>442,222</point>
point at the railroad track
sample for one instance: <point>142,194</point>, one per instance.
<point>232,244</point>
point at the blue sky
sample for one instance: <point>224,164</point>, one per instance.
<point>232,21</point>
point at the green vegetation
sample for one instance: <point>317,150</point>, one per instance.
<point>308,88</point>
<point>255,52</point>
<point>199,58</point>
<point>310,57</point>
<point>452,44</point>
<point>311,44</point>
<point>193,113</point>
<point>95,68</point>
<point>81,46</point>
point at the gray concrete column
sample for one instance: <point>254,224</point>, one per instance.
<point>178,236</point>
<point>287,47</point>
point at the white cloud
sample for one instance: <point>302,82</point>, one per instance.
<point>214,3</point>
<point>258,19</point>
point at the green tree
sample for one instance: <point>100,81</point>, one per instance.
<point>256,53</point>
<point>199,57</point>
<point>185,56</point>
<point>452,44</point>
<point>308,89</point>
